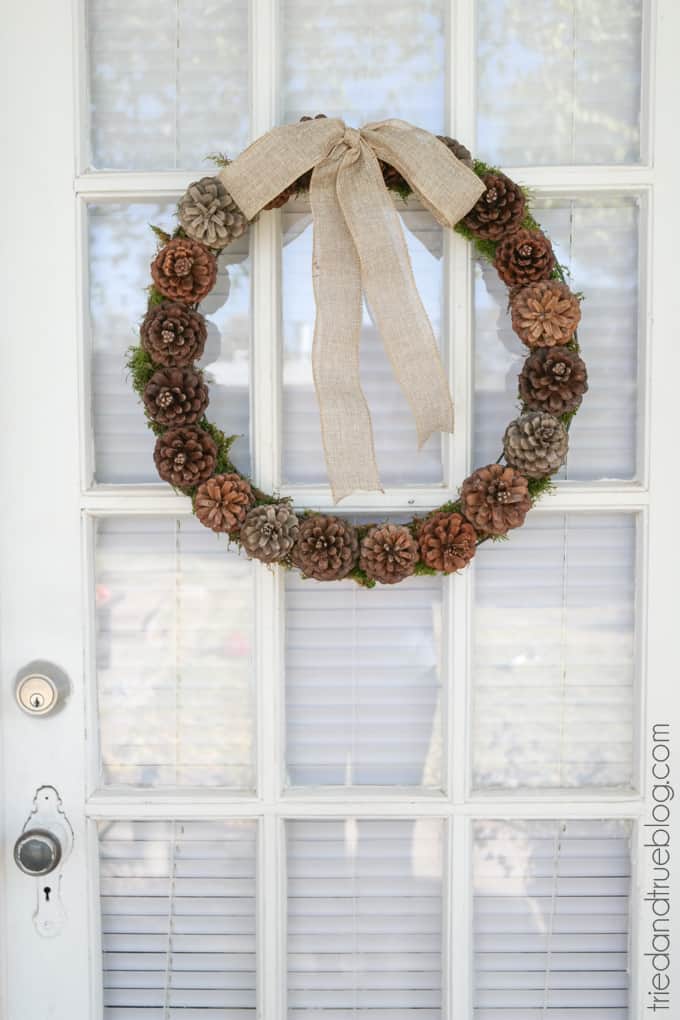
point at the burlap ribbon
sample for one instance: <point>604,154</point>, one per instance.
<point>359,245</point>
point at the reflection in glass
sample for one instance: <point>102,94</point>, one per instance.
<point>121,247</point>
<point>597,239</point>
<point>558,82</point>
<point>174,655</point>
<point>168,82</point>
<point>553,672</point>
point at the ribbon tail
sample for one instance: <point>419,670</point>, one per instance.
<point>391,292</point>
<point>345,418</point>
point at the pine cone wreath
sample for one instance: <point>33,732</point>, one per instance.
<point>185,457</point>
<point>499,211</point>
<point>447,542</point>
<point>495,499</point>
<point>545,313</point>
<point>175,396</point>
<point>302,184</point>
<point>524,257</point>
<point>207,213</point>
<point>536,444</point>
<point>388,553</point>
<point>269,532</point>
<point>326,549</point>
<point>184,270</point>
<point>173,335</point>
<point>553,379</point>
<point>222,502</point>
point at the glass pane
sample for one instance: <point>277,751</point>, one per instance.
<point>554,654</point>
<point>121,247</point>
<point>365,919</point>
<point>178,919</point>
<point>168,82</point>
<point>399,460</point>
<point>598,239</point>
<point>551,919</point>
<point>559,81</point>
<point>365,61</point>
<point>363,683</point>
<point>174,656</point>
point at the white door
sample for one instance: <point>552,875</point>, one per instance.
<point>304,800</point>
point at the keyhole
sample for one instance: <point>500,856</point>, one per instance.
<point>47,892</point>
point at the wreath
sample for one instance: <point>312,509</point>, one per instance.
<point>348,174</point>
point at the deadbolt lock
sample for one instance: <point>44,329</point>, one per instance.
<point>41,688</point>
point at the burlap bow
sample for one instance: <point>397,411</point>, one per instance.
<point>359,245</point>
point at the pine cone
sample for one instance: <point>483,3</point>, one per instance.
<point>499,211</point>
<point>495,499</point>
<point>175,396</point>
<point>268,532</point>
<point>185,456</point>
<point>173,335</point>
<point>326,549</point>
<point>393,179</point>
<point>302,184</point>
<point>388,553</point>
<point>545,313</point>
<point>184,270</point>
<point>524,257</point>
<point>222,502</point>
<point>536,444</point>
<point>553,379</point>
<point>208,213</point>
<point>447,542</point>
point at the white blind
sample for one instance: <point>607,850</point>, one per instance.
<point>554,654</point>
<point>598,240</point>
<point>121,246</point>
<point>174,655</point>
<point>168,81</point>
<point>551,920</point>
<point>364,919</point>
<point>178,919</point>
<point>559,82</point>
<point>396,442</point>
<point>363,683</point>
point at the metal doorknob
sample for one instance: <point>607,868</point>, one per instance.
<point>37,852</point>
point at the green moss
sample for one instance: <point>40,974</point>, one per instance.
<point>422,570</point>
<point>361,577</point>
<point>140,367</point>
<point>538,487</point>
<point>154,296</point>
<point>223,464</point>
<point>162,235</point>
<point>218,158</point>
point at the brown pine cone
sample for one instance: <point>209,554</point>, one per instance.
<point>175,396</point>
<point>536,444</point>
<point>393,179</point>
<point>524,257</point>
<point>545,313</point>
<point>184,270</point>
<point>185,456</point>
<point>222,502</point>
<point>499,211</point>
<point>447,542</point>
<point>302,184</point>
<point>388,553</point>
<point>268,532</point>
<point>207,213</point>
<point>326,548</point>
<point>173,335</point>
<point>553,379</point>
<point>495,499</point>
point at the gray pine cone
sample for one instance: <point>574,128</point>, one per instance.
<point>208,213</point>
<point>269,532</point>
<point>536,444</point>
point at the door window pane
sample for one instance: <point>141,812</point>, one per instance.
<point>168,82</point>
<point>554,654</point>
<point>365,919</point>
<point>558,82</point>
<point>597,239</point>
<point>121,247</point>
<point>174,656</point>
<point>178,919</point>
<point>363,683</point>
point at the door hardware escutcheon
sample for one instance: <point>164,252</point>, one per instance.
<point>40,852</point>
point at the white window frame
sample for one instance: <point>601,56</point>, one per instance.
<point>655,183</point>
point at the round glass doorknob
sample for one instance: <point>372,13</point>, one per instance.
<point>37,852</point>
